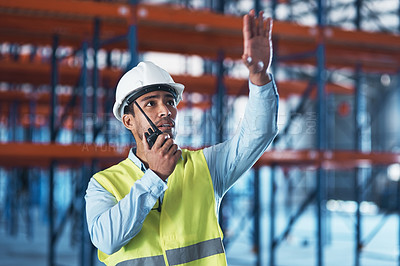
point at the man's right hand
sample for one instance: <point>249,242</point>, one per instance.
<point>163,156</point>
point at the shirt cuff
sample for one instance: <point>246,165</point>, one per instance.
<point>155,185</point>
<point>267,90</point>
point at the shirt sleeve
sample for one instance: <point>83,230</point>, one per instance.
<point>113,224</point>
<point>227,161</point>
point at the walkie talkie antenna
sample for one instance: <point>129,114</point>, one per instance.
<point>155,128</point>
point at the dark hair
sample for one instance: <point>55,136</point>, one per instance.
<point>129,110</point>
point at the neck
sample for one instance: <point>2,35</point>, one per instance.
<point>140,154</point>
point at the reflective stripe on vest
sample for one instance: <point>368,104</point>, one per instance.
<point>195,252</point>
<point>181,255</point>
<point>148,261</point>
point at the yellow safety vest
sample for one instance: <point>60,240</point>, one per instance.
<point>185,232</point>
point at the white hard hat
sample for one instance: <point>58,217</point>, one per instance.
<point>143,78</point>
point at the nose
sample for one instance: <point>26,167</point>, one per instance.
<point>164,111</point>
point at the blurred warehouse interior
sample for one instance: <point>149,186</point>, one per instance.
<point>323,194</point>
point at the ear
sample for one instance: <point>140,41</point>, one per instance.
<point>128,121</point>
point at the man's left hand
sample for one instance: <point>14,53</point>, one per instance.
<point>257,52</point>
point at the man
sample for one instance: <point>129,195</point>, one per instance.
<point>159,206</point>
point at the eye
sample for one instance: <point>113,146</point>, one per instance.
<point>171,102</point>
<point>150,103</point>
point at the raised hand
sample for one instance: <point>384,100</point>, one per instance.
<point>257,48</point>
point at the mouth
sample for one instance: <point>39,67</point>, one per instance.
<point>165,126</point>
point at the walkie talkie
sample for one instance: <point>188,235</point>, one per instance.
<point>152,134</point>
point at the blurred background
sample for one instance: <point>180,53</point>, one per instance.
<point>327,190</point>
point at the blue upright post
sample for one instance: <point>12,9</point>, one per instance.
<point>219,117</point>
<point>272,244</point>
<point>398,217</point>
<point>257,215</point>
<point>204,122</point>
<point>221,6</point>
<point>359,108</point>
<point>358,18</point>
<point>398,182</point>
<point>321,112</point>
<point>189,139</point>
<point>357,195</point>
<point>220,99</point>
<point>54,82</point>
<point>95,75</point>
<point>85,249</point>
<point>84,260</point>
<point>52,242</point>
<point>132,37</point>
<point>83,85</point>
<point>257,6</point>
<point>274,6</point>
<point>132,42</point>
<point>398,15</point>
<point>11,209</point>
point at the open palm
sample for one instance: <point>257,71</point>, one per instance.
<point>257,51</point>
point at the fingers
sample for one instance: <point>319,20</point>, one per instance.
<point>260,24</point>
<point>248,32</point>
<point>268,28</point>
<point>163,156</point>
<point>257,32</point>
<point>247,27</point>
<point>177,154</point>
<point>160,140</point>
<point>166,144</point>
<point>256,25</point>
<point>253,26</point>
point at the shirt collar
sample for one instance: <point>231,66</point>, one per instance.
<point>132,156</point>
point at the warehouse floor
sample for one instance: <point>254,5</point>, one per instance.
<point>298,250</point>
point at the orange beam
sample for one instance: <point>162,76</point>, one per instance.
<point>42,108</point>
<point>18,153</point>
<point>39,98</point>
<point>23,154</point>
<point>39,30</point>
<point>196,20</point>
<point>327,159</point>
<point>290,157</point>
<point>363,39</point>
<point>57,151</point>
<point>85,9</point>
<point>179,30</point>
<point>39,74</point>
<point>344,56</point>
